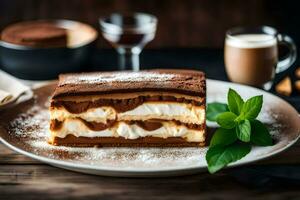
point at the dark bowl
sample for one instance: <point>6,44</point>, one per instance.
<point>46,63</point>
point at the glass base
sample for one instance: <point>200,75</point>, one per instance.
<point>129,58</point>
<point>267,86</point>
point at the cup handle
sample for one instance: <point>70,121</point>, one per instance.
<point>286,62</point>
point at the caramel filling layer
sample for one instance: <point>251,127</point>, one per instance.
<point>149,125</point>
<point>120,105</point>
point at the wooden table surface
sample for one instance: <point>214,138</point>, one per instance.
<point>24,178</point>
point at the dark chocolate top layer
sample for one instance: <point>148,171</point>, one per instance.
<point>35,34</point>
<point>190,82</point>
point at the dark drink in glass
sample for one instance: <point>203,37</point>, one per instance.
<point>128,33</point>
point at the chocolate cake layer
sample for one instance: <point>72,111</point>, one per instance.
<point>188,82</point>
<point>148,125</point>
<point>120,105</point>
<point>35,34</point>
<point>71,140</point>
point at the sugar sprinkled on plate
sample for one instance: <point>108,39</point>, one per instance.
<point>29,123</point>
<point>32,127</point>
<point>29,131</point>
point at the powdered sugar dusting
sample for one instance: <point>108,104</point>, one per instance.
<point>124,157</point>
<point>30,123</point>
<point>271,119</point>
<point>118,77</point>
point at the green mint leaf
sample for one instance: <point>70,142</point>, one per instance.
<point>218,156</point>
<point>214,109</point>
<point>226,120</point>
<point>252,107</point>
<point>235,101</point>
<point>243,130</point>
<point>260,135</point>
<point>223,137</point>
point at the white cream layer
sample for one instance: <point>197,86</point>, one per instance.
<point>185,113</point>
<point>122,129</point>
<point>100,115</point>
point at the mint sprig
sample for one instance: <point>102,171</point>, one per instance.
<point>227,120</point>
<point>220,156</point>
<point>215,109</point>
<point>252,107</point>
<point>243,130</point>
<point>239,129</point>
<point>223,137</point>
<point>260,135</point>
<point>235,102</point>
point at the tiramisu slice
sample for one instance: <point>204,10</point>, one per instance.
<point>147,108</point>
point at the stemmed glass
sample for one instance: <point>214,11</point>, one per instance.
<point>128,33</point>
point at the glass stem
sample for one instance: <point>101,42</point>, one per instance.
<point>129,58</point>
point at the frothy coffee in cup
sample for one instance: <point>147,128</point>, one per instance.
<point>251,58</point>
<point>251,55</point>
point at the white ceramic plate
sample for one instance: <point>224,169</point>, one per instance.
<point>24,130</point>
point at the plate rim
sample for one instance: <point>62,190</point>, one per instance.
<point>147,171</point>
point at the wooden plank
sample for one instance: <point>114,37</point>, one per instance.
<point>33,181</point>
<point>8,156</point>
<point>37,181</point>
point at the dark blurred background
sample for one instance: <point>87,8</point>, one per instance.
<point>182,23</point>
<point>190,32</point>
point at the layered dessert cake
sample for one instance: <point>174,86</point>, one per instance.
<point>164,108</point>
